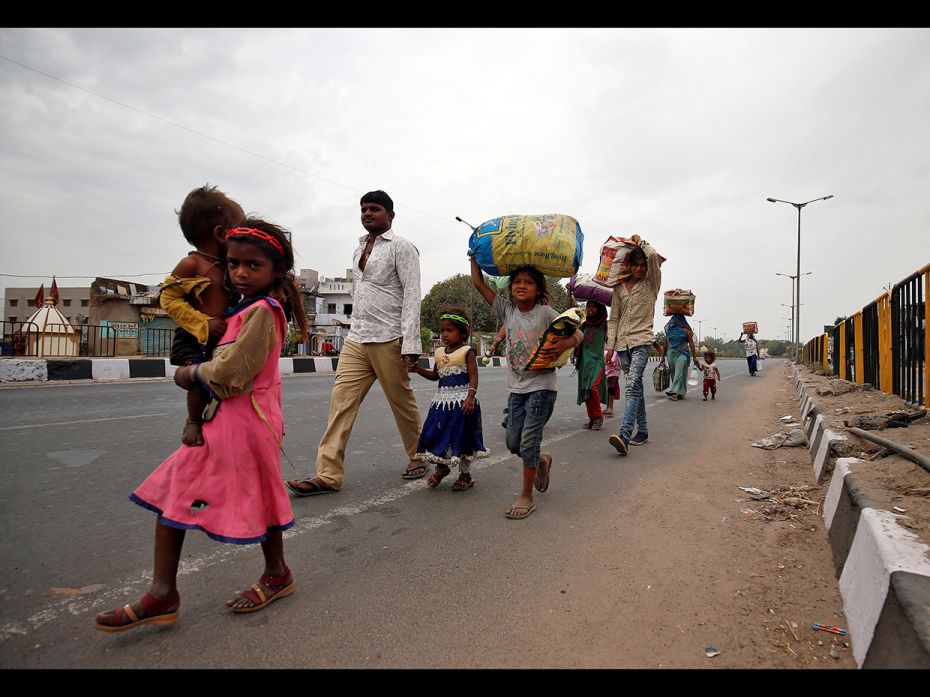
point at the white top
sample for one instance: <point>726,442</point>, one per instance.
<point>386,295</point>
<point>750,347</point>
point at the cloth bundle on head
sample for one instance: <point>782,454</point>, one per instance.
<point>678,301</point>
<point>553,243</point>
<point>583,287</point>
<point>614,265</point>
<point>708,350</point>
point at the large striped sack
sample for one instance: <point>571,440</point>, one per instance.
<point>678,301</point>
<point>552,243</point>
<point>750,327</point>
<point>583,287</point>
<point>560,327</point>
<point>614,265</point>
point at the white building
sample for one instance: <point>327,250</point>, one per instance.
<point>329,307</point>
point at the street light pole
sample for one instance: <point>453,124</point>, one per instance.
<point>792,277</point>
<point>797,315</point>
<point>699,329</point>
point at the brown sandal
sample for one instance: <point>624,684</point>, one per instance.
<point>437,476</point>
<point>256,595</point>
<point>463,482</point>
<point>156,612</point>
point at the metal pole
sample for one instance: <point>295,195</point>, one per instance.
<point>797,315</point>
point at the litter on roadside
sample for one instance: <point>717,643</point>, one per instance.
<point>753,490</point>
<point>711,651</point>
<point>829,628</point>
<point>898,509</point>
<point>794,438</point>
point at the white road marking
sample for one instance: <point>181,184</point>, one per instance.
<point>85,421</point>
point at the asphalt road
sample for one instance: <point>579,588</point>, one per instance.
<point>389,573</point>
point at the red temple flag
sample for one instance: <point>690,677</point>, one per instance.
<point>40,296</point>
<point>53,292</point>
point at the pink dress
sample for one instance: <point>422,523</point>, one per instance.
<point>237,471</point>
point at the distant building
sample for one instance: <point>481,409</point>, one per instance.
<point>74,303</point>
<point>328,303</point>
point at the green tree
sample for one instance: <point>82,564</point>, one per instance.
<point>426,338</point>
<point>458,290</point>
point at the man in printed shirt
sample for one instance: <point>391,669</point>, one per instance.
<point>629,332</point>
<point>383,341</point>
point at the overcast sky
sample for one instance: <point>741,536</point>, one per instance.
<point>678,135</point>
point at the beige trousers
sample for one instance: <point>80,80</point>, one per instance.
<point>359,366</point>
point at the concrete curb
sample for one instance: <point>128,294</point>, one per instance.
<point>111,369</point>
<point>883,569</point>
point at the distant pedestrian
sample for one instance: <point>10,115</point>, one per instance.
<point>451,434</point>
<point>752,352</point>
<point>230,487</point>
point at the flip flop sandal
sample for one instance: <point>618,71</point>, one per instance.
<point>512,511</point>
<point>154,611</point>
<point>414,473</point>
<point>315,488</point>
<point>256,594</point>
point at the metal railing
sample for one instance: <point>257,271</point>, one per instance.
<point>84,340</point>
<point>19,339</point>
<point>909,336</point>
<point>884,344</point>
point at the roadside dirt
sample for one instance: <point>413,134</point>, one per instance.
<point>891,480</point>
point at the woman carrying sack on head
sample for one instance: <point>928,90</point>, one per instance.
<point>680,341</point>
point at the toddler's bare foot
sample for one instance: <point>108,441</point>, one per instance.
<point>193,433</point>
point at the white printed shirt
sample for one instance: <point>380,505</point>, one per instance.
<point>386,295</point>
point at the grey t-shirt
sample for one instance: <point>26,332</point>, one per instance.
<point>523,332</point>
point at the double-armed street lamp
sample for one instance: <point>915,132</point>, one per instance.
<point>797,301</point>
<point>792,277</point>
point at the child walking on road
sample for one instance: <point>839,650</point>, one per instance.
<point>532,392</point>
<point>193,294</point>
<point>711,372</point>
<point>451,435</point>
<point>230,487</point>
<point>589,361</point>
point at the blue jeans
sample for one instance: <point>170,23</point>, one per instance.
<point>526,416</point>
<point>633,364</point>
<point>751,360</point>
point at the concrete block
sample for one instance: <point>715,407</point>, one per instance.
<point>880,549</point>
<point>23,370</point>
<point>110,368</point>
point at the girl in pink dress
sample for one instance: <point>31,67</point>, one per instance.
<point>231,486</point>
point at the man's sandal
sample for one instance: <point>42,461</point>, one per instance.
<point>437,476</point>
<point>257,595</point>
<point>415,470</point>
<point>463,482</point>
<point>309,487</point>
<point>156,612</point>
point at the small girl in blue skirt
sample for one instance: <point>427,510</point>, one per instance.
<point>451,435</point>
